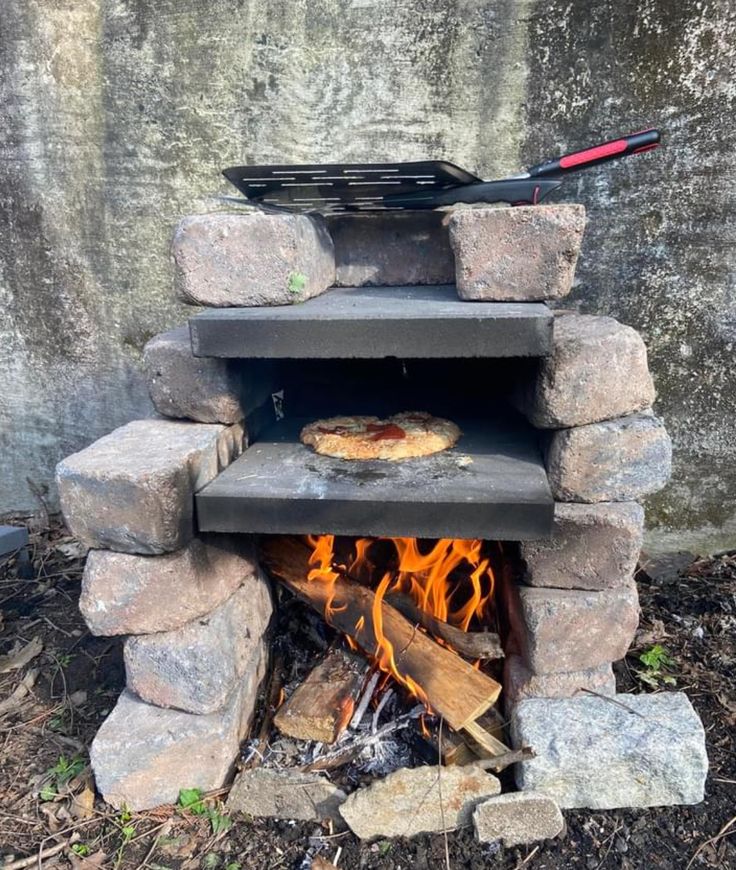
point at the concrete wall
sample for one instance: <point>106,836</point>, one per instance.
<point>116,116</point>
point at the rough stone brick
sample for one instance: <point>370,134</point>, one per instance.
<point>407,802</point>
<point>617,460</point>
<point>143,755</point>
<point>284,794</point>
<point>252,259</point>
<point>643,751</point>
<point>392,249</point>
<point>516,254</point>
<point>517,818</point>
<point>597,371</point>
<point>124,593</point>
<point>195,668</point>
<point>570,630</point>
<point>520,683</point>
<point>132,490</point>
<point>207,390</point>
<point>592,547</point>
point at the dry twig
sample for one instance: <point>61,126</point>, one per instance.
<point>40,856</point>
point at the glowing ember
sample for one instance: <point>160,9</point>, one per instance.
<point>453,581</point>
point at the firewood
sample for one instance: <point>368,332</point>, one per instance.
<point>501,762</point>
<point>452,688</point>
<point>472,644</point>
<point>321,707</point>
<point>452,748</point>
<point>492,722</point>
<point>483,742</point>
<point>482,739</point>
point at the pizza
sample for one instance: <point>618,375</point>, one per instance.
<point>403,436</point>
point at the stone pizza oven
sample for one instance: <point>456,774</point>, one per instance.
<point>445,312</point>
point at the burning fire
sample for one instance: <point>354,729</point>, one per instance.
<point>453,582</point>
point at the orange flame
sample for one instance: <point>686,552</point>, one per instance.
<point>346,714</point>
<point>452,581</point>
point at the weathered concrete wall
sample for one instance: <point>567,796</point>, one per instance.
<point>116,116</point>
<point>660,247</point>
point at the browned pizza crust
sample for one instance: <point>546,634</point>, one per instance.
<point>403,436</point>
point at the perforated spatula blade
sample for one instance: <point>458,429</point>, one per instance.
<point>336,187</point>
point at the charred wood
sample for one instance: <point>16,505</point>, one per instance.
<point>453,689</point>
<point>472,644</point>
<point>322,706</point>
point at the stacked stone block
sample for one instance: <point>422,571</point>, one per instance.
<point>194,608</point>
<point>577,608</point>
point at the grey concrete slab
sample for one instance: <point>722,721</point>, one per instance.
<point>12,538</point>
<point>491,485</point>
<point>376,322</point>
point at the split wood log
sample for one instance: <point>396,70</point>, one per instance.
<point>472,644</point>
<point>501,762</point>
<point>452,748</point>
<point>321,707</point>
<point>453,688</point>
<point>483,743</point>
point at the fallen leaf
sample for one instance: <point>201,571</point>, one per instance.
<point>651,635</point>
<point>87,862</point>
<point>320,864</point>
<point>49,810</point>
<point>180,846</point>
<point>21,658</point>
<point>72,549</point>
<point>22,690</point>
<point>82,805</point>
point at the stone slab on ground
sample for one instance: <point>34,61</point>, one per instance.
<point>517,818</point>
<point>143,755</point>
<point>407,802</point>
<point>628,751</point>
<point>133,490</point>
<point>593,546</point>
<point>616,460</point>
<point>195,668</point>
<point>390,250</point>
<point>516,254</point>
<point>124,593</point>
<point>195,388</point>
<point>520,683</point>
<point>12,538</point>
<point>565,630</point>
<point>597,371</point>
<point>284,794</point>
<point>252,259</point>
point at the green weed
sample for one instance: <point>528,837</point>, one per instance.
<point>296,283</point>
<point>64,770</point>
<point>657,661</point>
<point>191,801</point>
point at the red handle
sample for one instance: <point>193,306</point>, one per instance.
<point>633,144</point>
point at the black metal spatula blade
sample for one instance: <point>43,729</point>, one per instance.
<point>335,187</point>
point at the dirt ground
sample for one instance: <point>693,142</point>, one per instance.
<point>57,683</point>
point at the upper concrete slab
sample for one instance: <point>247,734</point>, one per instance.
<point>376,322</point>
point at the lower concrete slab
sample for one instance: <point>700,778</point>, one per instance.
<point>491,485</point>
